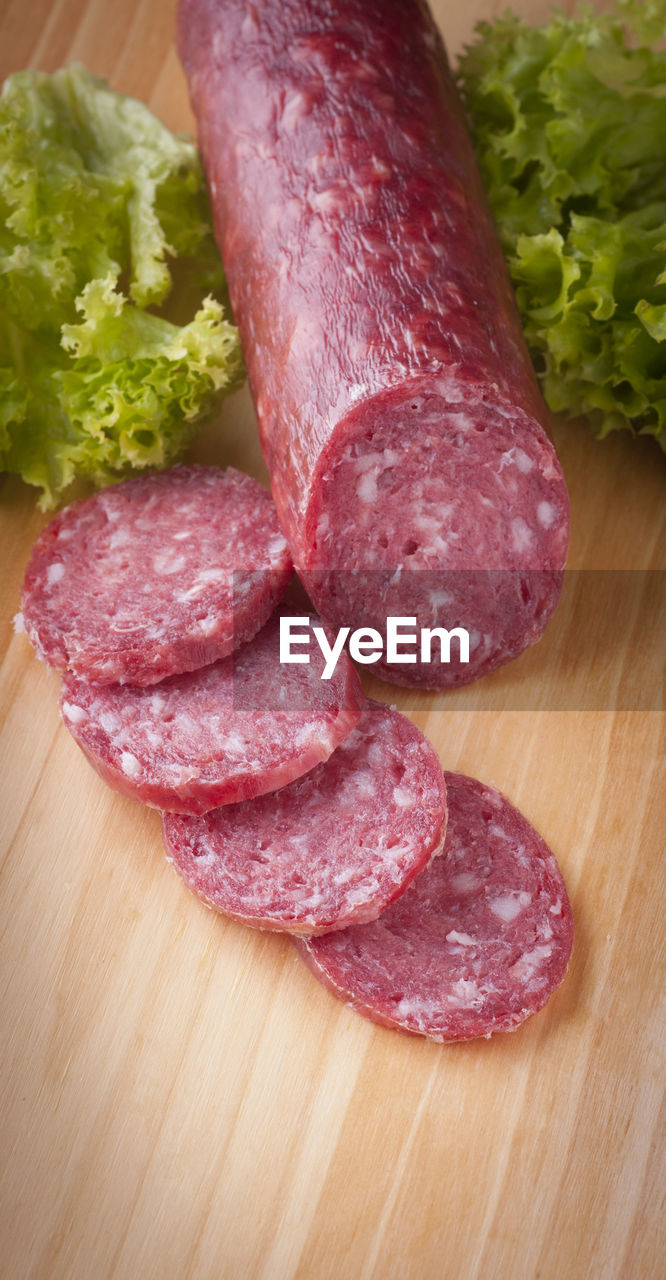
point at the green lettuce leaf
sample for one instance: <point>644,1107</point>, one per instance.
<point>569,123</point>
<point>97,200</point>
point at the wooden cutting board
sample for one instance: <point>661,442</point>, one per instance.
<point>179,1096</point>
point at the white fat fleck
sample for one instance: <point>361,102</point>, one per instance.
<point>204,862</point>
<point>556,909</point>
<point>463,939</point>
<point>343,877</point>
<point>428,525</point>
<point>304,734</point>
<point>234,744</point>
<point>403,798</point>
<point>76,715</point>
<point>202,580</point>
<point>528,964</point>
<point>433,523</point>
<point>465,882</point>
<point>276,547</point>
<point>359,896</point>
<point>129,764</point>
<point>366,489</point>
<point>515,457</point>
<point>55,572</point>
<point>461,421</point>
<point>395,854</point>
<point>364,783</point>
<point>310,904</point>
<point>208,624</point>
<point>167,564</point>
<point>521,534</point>
<point>439,599</point>
<point>475,639</point>
<point>119,537</point>
<point>19,624</point>
<point>182,534</point>
<point>523,461</point>
<point>546,514</point>
<point>157,703</point>
<point>180,775</point>
<point>378,461</point>
<point>409,1009</point>
<point>110,511</point>
<point>464,992</point>
<point>109,722</point>
<point>509,905</point>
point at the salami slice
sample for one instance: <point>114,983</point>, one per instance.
<point>334,847</point>
<point>476,945</point>
<point>399,413</point>
<point>235,729</point>
<point>156,576</point>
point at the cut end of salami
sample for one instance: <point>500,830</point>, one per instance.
<point>449,507</point>
<point>156,576</point>
<point>236,729</point>
<point>333,848</point>
<point>478,942</point>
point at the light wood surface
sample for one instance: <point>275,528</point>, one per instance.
<point>179,1097</point>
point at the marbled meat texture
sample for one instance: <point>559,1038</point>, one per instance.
<point>476,945</point>
<point>155,576</point>
<point>236,729</point>
<point>398,410</point>
<point>335,847</point>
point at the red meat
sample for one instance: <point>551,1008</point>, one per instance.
<point>398,409</point>
<point>238,728</point>
<point>156,576</point>
<point>334,847</point>
<point>476,945</point>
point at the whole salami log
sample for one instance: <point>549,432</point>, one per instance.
<point>235,729</point>
<point>398,410</point>
<point>334,847</point>
<point>155,576</point>
<point>478,942</point>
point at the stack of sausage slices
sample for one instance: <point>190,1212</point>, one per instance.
<point>421,898</point>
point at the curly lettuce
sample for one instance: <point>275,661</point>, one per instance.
<point>97,200</point>
<point>569,123</point>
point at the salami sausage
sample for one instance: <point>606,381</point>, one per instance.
<point>334,847</point>
<point>210,737</point>
<point>398,410</point>
<point>477,943</point>
<point>155,576</point>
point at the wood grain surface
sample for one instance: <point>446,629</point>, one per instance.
<point>179,1097</point>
